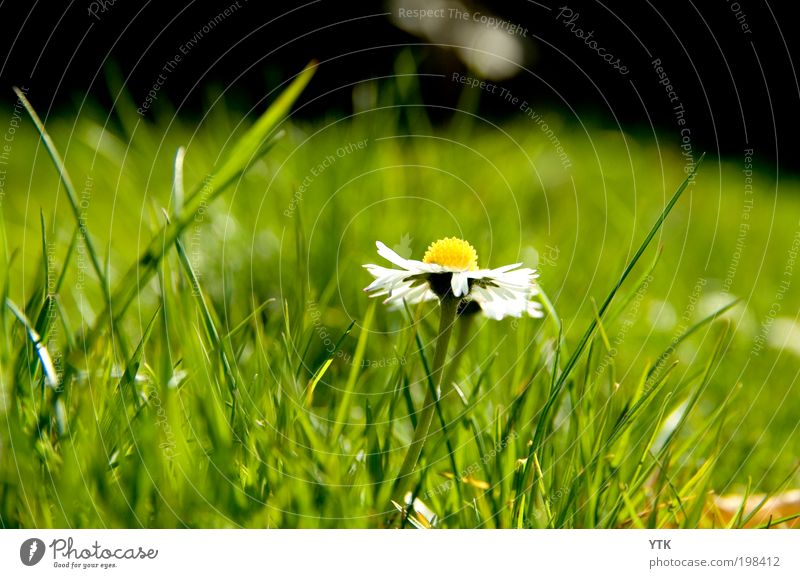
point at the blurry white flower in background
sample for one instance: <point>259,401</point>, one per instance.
<point>785,335</point>
<point>491,47</point>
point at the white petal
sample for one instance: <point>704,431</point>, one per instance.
<point>479,293</point>
<point>500,308</point>
<point>506,292</point>
<point>501,294</point>
<point>496,309</point>
<point>411,297</point>
<point>392,257</point>
<point>535,309</point>
<point>401,290</point>
<point>505,268</point>
<point>518,279</point>
<point>385,279</point>
<point>459,283</point>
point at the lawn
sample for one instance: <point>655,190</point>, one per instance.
<point>198,351</point>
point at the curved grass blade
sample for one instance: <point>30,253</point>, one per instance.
<point>251,146</point>
<point>49,369</point>
<point>541,426</point>
<point>68,186</point>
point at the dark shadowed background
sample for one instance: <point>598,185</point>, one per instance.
<point>730,63</point>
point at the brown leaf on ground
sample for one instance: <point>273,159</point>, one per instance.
<point>722,509</point>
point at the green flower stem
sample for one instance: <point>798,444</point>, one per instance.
<point>451,375</point>
<point>449,306</point>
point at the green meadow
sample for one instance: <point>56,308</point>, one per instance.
<point>186,341</point>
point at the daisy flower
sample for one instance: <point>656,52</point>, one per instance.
<point>449,268</point>
<point>449,272</point>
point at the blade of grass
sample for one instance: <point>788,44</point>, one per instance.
<point>251,146</point>
<point>49,370</point>
<point>358,356</point>
<point>68,187</point>
<point>312,384</point>
<point>558,384</point>
<point>573,359</point>
<point>251,316</point>
<point>211,328</point>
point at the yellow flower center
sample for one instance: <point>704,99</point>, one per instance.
<point>452,252</point>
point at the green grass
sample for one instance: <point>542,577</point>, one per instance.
<point>214,362</point>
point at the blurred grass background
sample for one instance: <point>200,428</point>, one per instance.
<point>279,259</point>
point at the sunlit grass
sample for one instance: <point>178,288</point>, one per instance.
<point>218,364</point>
